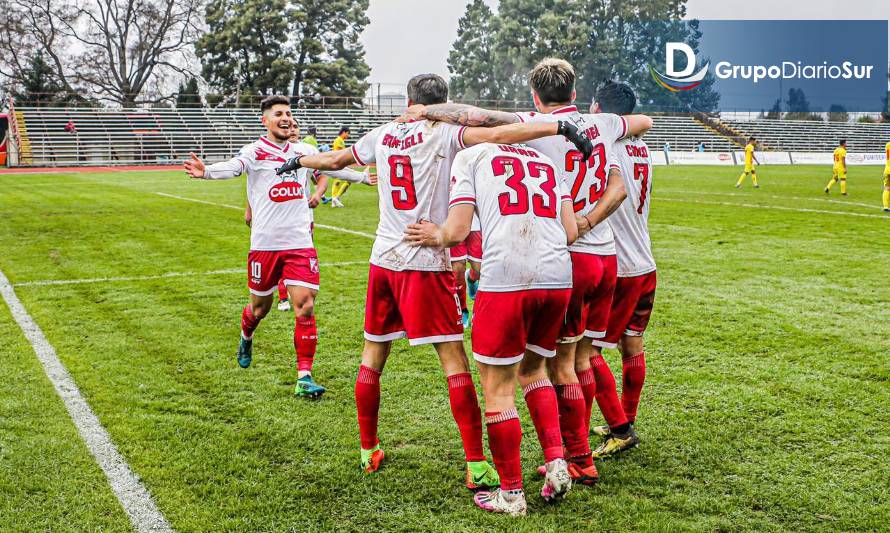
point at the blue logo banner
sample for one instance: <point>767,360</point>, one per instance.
<point>778,65</point>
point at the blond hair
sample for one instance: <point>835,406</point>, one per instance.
<point>553,80</point>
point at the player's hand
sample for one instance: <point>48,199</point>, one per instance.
<point>583,224</point>
<point>415,112</point>
<point>194,167</point>
<point>291,165</point>
<point>314,200</point>
<point>577,137</point>
<point>423,233</point>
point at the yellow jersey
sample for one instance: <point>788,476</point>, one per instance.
<point>338,144</point>
<point>749,156</point>
<point>840,154</point>
<point>887,164</point>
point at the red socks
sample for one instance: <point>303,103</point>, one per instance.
<point>282,290</point>
<point>465,408</point>
<point>541,400</point>
<point>474,276</point>
<point>633,371</point>
<point>248,322</point>
<point>606,393</point>
<point>588,387</point>
<point>367,402</point>
<point>504,438</point>
<point>573,424</point>
<point>305,342</point>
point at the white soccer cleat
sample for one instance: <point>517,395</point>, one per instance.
<point>557,480</point>
<point>511,502</point>
<point>335,202</point>
<point>284,305</point>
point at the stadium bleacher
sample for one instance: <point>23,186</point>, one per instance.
<point>165,135</point>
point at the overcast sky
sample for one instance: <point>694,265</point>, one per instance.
<point>406,37</point>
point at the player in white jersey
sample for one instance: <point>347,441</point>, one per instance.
<point>635,289</point>
<point>527,223</point>
<point>281,244</point>
<point>597,190</point>
<point>410,289</point>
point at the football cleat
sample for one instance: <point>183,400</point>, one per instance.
<point>472,286</point>
<point>557,480</point>
<point>481,475</point>
<point>372,458</point>
<point>325,199</point>
<point>335,202</point>
<point>826,190</point>
<point>887,209</point>
<point>307,388</point>
<point>245,352</point>
<point>465,318</point>
<point>614,445</point>
<point>283,305</point>
<point>511,502</point>
<point>738,186</point>
<point>757,186</point>
<point>600,431</point>
<point>843,194</point>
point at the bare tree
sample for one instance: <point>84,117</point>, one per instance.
<point>120,51</point>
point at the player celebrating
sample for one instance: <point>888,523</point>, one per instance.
<point>527,222</point>
<point>750,159</point>
<point>635,288</point>
<point>839,172</point>
<point>885,197</point>
<point>280,235</point>
<point>410,289</point>
<point>595,195</point>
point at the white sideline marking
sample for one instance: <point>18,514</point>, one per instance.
<point>778,207</point>
<point>777,197</point>
<point>126,485</point>
<point>324,226</point>
<point>40,283</point>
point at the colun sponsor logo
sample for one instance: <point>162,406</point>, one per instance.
<point>286,191</point>
<point>791,70</point>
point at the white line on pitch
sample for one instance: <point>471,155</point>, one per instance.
<point>779,207</point>
<point>777,197</point>
<point>126,485</point>
<point>324,226</point>
<point>40,283</point>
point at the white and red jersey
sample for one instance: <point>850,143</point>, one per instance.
<point>585,183</point>
<point>630,222</point>
<point>518,196</point>
<point>413,163</point>
<point>282,219</point>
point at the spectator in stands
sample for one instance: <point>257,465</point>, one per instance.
<point>701,146</point>
<point>70,127</point>
<point>666,148</point>
<point>310,139</point>
<point>339,187</point>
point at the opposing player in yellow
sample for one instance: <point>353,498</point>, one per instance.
<point>886,195</point>
<point>339,187</point>
<point>750,159</point>
<point>840,168</point>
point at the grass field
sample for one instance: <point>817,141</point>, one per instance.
<point>767,405</point>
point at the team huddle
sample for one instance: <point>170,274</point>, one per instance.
<point>549,207</point>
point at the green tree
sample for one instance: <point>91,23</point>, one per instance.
<point>187,95</point>
<point>39,85</point>
<point>471,59</point>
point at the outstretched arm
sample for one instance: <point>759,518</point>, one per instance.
<point>453,231</point>
<point>195,168</point>
<point>614,194</point>
<point>462,114</point>
<point>336,160</point>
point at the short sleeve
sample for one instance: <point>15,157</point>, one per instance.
<point>454,135</point>
<point>463,189</point>
<point>364,150</point>
<point>615,125</point>
<point>532,117</point>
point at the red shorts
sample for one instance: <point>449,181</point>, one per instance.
<point>266,268</point>
<point>593,284</point>
<point>422,306</point>
<point>631,309</point>
<point>505,324</point>
<point>470,249</point>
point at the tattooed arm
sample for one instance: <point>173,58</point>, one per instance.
<point>462,114</point>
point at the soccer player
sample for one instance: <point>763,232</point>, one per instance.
<point>339,187</point>
<point>750,159</point>
<point>311,139</point>
<point>595,195</point>
<point>635,288</point>
<point>280,235</point>
<point>527,223</point>
<point>411,290</point>
<point>886,194</point>
<point>839,172</point>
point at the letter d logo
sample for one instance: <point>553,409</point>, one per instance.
<point>671,53</point>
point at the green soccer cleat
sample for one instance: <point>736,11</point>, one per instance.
<point>481,475</point>
<point>613,445</point>
<point>307,388</point>
<point>372,458</point>
<point>245,352</point>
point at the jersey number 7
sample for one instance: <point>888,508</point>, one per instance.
<point>641,172</point>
